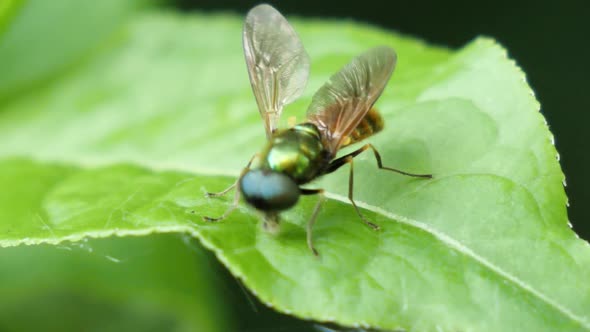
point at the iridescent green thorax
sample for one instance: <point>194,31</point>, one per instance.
<point>297,152</point>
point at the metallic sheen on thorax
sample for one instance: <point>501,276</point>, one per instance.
<point>297,152</point>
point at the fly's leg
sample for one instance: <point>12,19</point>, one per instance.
<point>229,210</point>
<point>314,215</point>
<point>221,193</point>
<point>226,190</point>
<point>337,163</point>
<point>348,159</point>
<point>380,164</point>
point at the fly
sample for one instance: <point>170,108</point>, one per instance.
<point>341,113</point>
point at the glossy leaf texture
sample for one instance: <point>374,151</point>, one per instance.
<point>128,142</point>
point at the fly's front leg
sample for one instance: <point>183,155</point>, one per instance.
<point>226,190</point>
<point>314,215</point>
<point>348,159</point>
<point>231,208</point>
<point>236,200</point>
<point>221,193</point>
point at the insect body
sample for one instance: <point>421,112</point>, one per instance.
<point>293,157</point>
<point>341,113</point>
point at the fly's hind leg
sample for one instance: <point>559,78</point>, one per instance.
<point>236,200</point>
<point>348,159</point>
<point>314,215</point>
<point>380,164</point>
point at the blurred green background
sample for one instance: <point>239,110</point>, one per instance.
<point>550,40</point>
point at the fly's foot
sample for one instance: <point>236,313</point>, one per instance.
<point>315,252</point>
<point>210,195</point>
<point>210,219</point>
<point>375,227</point>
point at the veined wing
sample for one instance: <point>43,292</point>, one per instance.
<point>339,105</point>
<point>277,63</point>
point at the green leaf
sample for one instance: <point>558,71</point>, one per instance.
<point>38,39</point>
<point>128,142</point>
<point>7,10</point>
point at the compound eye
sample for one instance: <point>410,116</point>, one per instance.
<point>268,190</point>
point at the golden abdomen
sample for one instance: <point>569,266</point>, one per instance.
<point>371,124</point>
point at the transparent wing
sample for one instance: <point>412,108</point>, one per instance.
<point>277,62</point>
<point>340,104</point>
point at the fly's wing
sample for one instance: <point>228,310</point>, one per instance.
<point>339,105</point>
<point>277,63</point>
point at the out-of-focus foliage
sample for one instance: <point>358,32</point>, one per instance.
<point>156,283</point>
<point>41,39</point>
